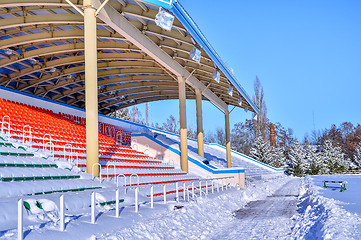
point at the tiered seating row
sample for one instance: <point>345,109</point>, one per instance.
<point>46,122</point>
<point>13,189</point>
<point>66,129</point>
<point>28,174</point>
<point>29,161</point>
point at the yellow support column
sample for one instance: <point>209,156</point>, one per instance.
<point>199,123</point>
<point>228,141</point>
<point>91,88</point>
<point>183,123</point>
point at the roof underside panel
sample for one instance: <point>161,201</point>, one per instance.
<point>42,53</point>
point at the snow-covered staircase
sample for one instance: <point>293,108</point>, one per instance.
<point>215,154</point>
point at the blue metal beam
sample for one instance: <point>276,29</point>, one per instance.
<point>161,3</point>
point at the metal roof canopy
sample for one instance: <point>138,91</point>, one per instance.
<point>42,53</point>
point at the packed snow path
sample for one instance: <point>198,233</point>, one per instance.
<point>215,218</point>
<point>270,218</point>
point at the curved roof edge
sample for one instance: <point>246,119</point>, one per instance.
<point>161,3</point>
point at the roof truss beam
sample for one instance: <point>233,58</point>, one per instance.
<point>120,24</point>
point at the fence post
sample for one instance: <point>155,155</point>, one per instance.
<point>226,180</point>
<point>200,188</point>
<point>184,191</point>
<point>212,186</point>
<point>93,208</point>
<point>164,194</point>
<point>136,199</point>
<point>206,187</point>
<point>62,220</point>
<point>117,203</point>
<point>193,190</point>
<point>217,185</point>
<point>151,196</point>
<point>20,219</point>
<point>177,192</point>
<point>222,184</point>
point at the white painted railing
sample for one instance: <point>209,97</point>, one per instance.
<point>188,190</point>
<point>51,150</point>
<point>68,154</point>
<point>115,172</point>
<point>100,171</point>
<point>45,138</point>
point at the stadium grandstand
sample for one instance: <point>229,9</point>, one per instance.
<point>65,65</point>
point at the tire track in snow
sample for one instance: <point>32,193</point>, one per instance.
<point>270,218</point>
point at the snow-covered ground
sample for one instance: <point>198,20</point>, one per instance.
<point>279,208</point>
<point>327,213</point>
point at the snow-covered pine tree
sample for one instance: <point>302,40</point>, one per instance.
<point>261,151</point>
<point>278,158</point>
<point>314,159</point>
<point>298,164</point>
<point>334,157</point>
<point>357,156</point>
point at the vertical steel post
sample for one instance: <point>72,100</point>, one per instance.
<point>62,217</point>
<point>206,188</point>
<point>136,200</point>
<point>117,203</point>
<point>200,188</point>
<point>93,208</point>
<point>184,191</point>
<point>177,192</point>
<point>20,219</point>
<point>193,195</point>
<point>164,194</point>
<point>152,196</point>
<point>228,140</point>
<point>91,86</point>
<point>200,132</point>
<point>183,123</point>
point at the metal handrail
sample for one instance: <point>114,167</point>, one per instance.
<point>125,179</point>
<point>45,138</point>
<point>108,171</point>
<point>65,152</point>
<point>51,145</point>
<point>130,179</point>
<point>100,175</point>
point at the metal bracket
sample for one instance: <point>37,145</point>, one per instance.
<point>101,7</point>
<point>209,84</point>
<point>232,109</point>
<point>75,7</point>
<point>81,12</point>
<point>190,75</point>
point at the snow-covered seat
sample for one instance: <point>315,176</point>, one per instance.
<point>26,174</point>
<point>16,188</point>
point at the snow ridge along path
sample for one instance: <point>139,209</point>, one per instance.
<point>215,217</point>
<point>325,218</point>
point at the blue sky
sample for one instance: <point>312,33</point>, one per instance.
<point>307,55</point>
